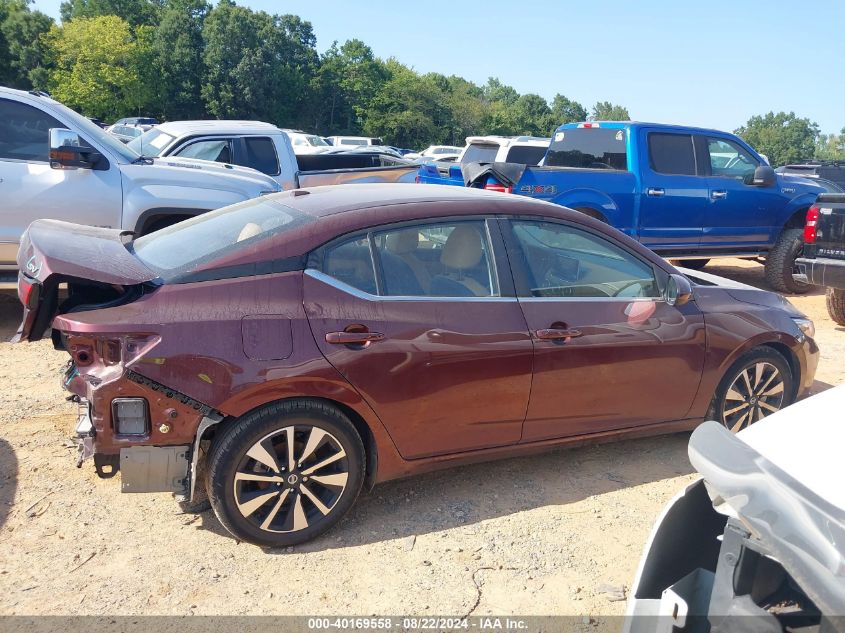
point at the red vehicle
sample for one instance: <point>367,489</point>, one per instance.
<point>317,341</point>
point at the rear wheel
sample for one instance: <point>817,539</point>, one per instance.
<point>760,382</point>
<point>694,264</point>
<point>836,305</point>
<point>285,474</point>
<point>780,263</point>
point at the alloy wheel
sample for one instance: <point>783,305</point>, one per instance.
<point>291,479</point>
<point>756,391</point>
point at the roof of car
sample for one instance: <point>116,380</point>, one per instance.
<point>509,140</point>
<point>181,128</point>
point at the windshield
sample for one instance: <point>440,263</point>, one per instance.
<point>150,143</point>
<point>589,148</point>
<point>182,248</point>
<point>316,141</point>
<point>93,132</point>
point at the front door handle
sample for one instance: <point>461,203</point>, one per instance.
<point>719,195</point>
<point>557,334</point>
<point>353,338</point>
<point>656,192</point>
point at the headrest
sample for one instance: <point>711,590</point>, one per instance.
<point>251,229</point>
<point>402,242</point>
<point>463,248</point>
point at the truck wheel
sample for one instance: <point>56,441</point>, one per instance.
<point>757,384</point>
<point>780,264</point>
<point>694,264</point>
<point>286,473</point>
<point>836,305</point>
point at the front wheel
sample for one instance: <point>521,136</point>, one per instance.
<point>760,382</point>
<point>780,263</point>
<point>286,473</point>
<point>836,305</point>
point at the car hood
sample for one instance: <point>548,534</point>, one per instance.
<point>806,184</point>
<point>782,478</point>
<point>202,173</point>
<point>741,292</point>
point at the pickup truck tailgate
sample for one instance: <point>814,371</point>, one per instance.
<point>830,230</point>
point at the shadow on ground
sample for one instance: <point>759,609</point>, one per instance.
<point>8,479</point>
<point>474,494</point>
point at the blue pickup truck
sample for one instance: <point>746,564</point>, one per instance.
<point>686,193</point>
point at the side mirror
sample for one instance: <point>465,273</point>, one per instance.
<point>69,151</point>
<point>764,176</point>
<point>678,290</point>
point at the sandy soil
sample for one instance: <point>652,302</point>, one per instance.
<point>540,535</point>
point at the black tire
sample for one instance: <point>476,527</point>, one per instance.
<point>780,263</point>
<point>286,498</point>
<point>694,264</point>
<point>732,385</point>
<point>836,304</point>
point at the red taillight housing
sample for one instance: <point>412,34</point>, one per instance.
<point>29,292</point>
<point>811,225</point>
<point>497,186</point>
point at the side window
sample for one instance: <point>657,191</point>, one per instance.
<point>218,150</point>
<point>729,160</point>
<point>351,263</point>
<point>24,132</point>
<point>562,261</point>
<point>525,154</point>
<point>671,154</point>
<point>444,259</point>
<point>261,155</point>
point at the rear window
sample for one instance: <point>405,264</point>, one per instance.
<point>525,154</point>
<point>480,153</point>
<point>671,154</point>
<point>261,155</point>
<point>180,249</point>
<point>589,148</point>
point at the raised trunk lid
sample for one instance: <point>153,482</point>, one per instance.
<point>54,252</point>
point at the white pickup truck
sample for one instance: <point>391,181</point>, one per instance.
<point>55,163</point>
<point>268,149</point>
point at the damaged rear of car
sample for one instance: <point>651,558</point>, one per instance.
<point>757,544</point>
<point>68,269</point>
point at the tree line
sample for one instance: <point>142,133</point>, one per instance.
<point>189,59</point>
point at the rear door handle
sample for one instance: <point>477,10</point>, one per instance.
<point>353,338</point>
<point>719,195</point>
<point>656,192</point>
<point>555,334</point>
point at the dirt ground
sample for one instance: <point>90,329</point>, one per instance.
<point>553,534</point>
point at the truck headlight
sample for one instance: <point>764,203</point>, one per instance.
<point>806,326</point>
<point>130,416</point>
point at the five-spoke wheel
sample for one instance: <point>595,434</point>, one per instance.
<point>758,384</point>
<point>285,474</point>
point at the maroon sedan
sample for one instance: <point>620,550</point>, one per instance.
<point>303,345</point>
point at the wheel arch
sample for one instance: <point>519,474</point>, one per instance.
<point>791,359</point>
<point>358,421</point>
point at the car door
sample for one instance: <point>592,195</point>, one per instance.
<point>739,213</point>
<point>30,189</point>
<point>610,353</point>
<point>673,197</point>
<point>415,319</point>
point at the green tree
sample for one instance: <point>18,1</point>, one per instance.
<point>782,137</point>
<point>565,110</point>
<point>177,49</point>
<point>135,12</point>
<point>21,47</point>
<point>257,65</point>
<point>606,111</point>
<point>831,146</point>
<point>494,90</point>
<point>530,115</point>
<point>96,64</point>
<point>466,109</point>
<point>408,109</point>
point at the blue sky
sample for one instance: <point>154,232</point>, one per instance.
<point>712,64</point>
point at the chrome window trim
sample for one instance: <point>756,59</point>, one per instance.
<point>360,294</point>
<point>590,299</point>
